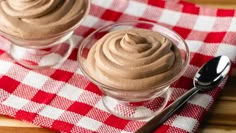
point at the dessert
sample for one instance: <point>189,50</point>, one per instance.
<point>133,59</point>
<point>38,19</point>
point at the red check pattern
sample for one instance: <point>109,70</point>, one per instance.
<point>62,99</point>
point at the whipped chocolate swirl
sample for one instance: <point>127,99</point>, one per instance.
<point>36,19</point>
<point>133,59</point>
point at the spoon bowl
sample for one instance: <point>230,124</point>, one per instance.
<point>212,73</point>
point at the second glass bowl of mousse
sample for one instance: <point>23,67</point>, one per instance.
<point>40,31</point>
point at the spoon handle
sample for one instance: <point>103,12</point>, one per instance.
<point>160,118</point>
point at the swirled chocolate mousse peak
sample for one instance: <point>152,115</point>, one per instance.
<point>133,59</point>
<point>37,19</point>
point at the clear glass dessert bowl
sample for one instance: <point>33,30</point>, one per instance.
<point>138,102</point>
<point>44,50</point>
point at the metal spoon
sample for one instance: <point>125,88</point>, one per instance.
<point>208,77</point>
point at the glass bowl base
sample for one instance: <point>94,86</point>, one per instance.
<point>36,58</point>
<point>136,110</point>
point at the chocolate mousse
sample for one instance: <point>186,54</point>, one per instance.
<point>133,59</point>
<point>37,19</point>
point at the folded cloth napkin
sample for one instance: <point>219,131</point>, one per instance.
<point>62,99</point>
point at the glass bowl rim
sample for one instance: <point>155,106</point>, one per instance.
<point>88,6</point>
<point>110,88</point>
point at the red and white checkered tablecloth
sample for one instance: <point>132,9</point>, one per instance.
<point>62,99</point>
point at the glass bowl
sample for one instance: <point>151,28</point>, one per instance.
<point>133,104</point>
<point>44,51</point>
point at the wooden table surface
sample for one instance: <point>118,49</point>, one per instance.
<point>221,118</point>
